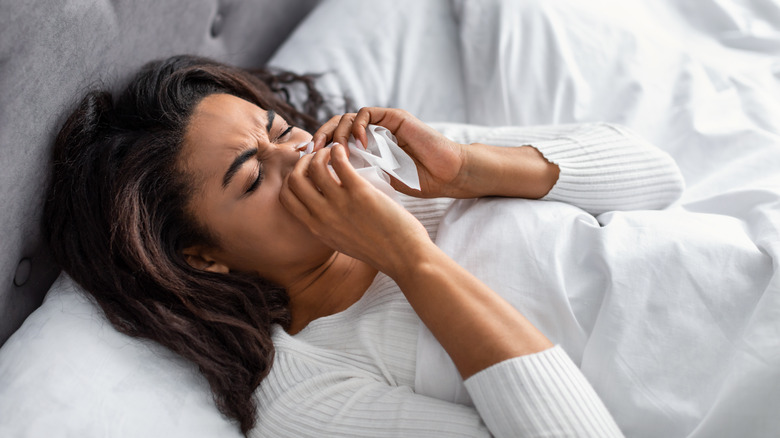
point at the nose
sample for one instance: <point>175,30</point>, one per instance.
<point>288,156</point>
<point>294,149</point>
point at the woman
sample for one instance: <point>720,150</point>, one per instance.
<point>186,211</point>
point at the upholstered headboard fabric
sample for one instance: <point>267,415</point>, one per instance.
<point>51,52</point>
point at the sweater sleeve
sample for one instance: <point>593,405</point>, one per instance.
<point>603,167</point>
<point>537,395</point>
<point>312,399</point>
<point>542,394</point>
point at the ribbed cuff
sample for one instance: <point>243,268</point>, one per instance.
<point>542,394</point>
<point>604,167</point>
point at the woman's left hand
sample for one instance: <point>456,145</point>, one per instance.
<point>350,215</point>
<point>441,163</point>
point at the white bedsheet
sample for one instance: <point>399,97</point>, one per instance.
<point>674,315</point>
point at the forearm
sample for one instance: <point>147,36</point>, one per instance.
<point>520,384</point>
<point>602,166</point>
<point>473,324</point>
<point>519,172</point>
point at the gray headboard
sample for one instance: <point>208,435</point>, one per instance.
<point>51,52</point>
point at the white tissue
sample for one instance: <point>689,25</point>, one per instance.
<point>305,148</point>
<point>383,152</point>
<point>382,156</point>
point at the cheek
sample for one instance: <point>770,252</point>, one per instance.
<point>265,236</point>
<point>262,220</point>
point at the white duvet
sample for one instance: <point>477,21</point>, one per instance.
<point>674,315</point>
<point>669,314</point>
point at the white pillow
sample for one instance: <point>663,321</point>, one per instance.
<point>399,53</point>
<point>67,373</point>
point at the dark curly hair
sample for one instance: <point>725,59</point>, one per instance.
<point>116,220</point>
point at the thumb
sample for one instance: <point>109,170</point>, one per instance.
<point>403,188</point>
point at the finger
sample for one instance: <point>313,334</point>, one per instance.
<point>321,176</point>
<point>391,118</point>
<point>359,126</point>
<point>302,186</point>
<point>342,131</point>
<point>325,132</point>
<point>344,170</point>
<point>290,201</point>
<point>403,188</point>
<point>398,185</point>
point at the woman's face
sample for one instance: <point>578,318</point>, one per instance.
<point>238,156</point>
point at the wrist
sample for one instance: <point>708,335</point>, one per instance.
<point>474,180</point>
<point>404,265</point>
<point>520,172</point>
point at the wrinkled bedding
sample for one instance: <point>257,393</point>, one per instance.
<point>673,315</point>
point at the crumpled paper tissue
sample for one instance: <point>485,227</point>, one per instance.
<point>381,157</point>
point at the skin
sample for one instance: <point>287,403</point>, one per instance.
<point>255,232</point>
<point>324,237</point>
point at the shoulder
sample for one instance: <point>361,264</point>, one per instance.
<point>307,387</point>
<point>299,370</point>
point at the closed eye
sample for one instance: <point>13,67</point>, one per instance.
<point>284,133</point>
<point>252,187</point>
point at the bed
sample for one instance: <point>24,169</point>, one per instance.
<point>673,315</point>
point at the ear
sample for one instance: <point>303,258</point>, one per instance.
<point>199,258</point>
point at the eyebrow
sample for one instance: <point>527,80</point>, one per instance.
<point>236,164</point>
<point>271,115</point>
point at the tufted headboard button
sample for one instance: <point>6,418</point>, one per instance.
<point>217,23</point>
<point>22,272</point>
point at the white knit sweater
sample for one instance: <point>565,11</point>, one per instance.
<point>352,374</point>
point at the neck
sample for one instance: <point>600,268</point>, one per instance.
<point>330,288</point>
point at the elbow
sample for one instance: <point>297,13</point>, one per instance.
<point>662,170</point>
<point>676,185</point>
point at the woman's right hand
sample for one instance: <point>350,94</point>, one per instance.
<point>440,161</point>
<point>350,215</point>
<point>447,168</point>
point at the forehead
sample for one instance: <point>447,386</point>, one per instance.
<point>221,127</point>
<point>223,117</point>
